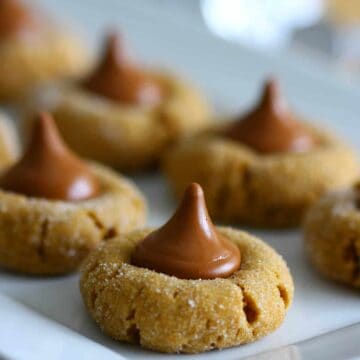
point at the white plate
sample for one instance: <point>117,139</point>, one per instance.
<point>53,323</point>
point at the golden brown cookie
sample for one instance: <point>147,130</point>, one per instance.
<point>127,137</point>
<point>332,236</point>
<point>46,237</point>
<point>9,141</point>
<point>265,167</point>
<point>122,114</point>
<point>169,314</point>
<point>34,50</point>
<point>242,185</point>
<point>47,56</point>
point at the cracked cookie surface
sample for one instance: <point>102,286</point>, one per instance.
<point>45,237</point>
<point>272,190</point>
<point>169,314</point>
<point>332,237</point>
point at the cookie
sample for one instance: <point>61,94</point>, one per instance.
<point>34,51</point>
<point>43,237</point>
<point>55,208</point>
<point>262,179</point>
<point>188,286</point>
<point>126,134</point>
<point>168,314</point>
<point>332,236</point>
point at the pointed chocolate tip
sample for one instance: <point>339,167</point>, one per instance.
<point>194,190</point>
<point>45,132</point>
<point>112,50</point>
<point>271,92</point>
<point>273,100</point>
<point>117,78</point>
<point>112,40</point>
<point>270,126</point>
<point>44,121</point>
<point>193,210</point>
<point>44,117</point>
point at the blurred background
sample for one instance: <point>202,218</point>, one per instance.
<point>329,28</point>
<point>228,47</point>
<point>325,28</point>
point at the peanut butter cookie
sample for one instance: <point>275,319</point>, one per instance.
<point>44,237</point>
<point>123,116</point>
<point>332,236</point>
<point>168,314</point>
<point>265,170</point>
<point>187,286</point>
<point>55,208</point>
<point>32,51</point>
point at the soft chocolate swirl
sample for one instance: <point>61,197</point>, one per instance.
<point>188,246</point>
<point>48,169</point>
<point>117,79</point>
<point>271,127</point>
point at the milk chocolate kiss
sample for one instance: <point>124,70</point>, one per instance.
<point>117,79</point>
<point>15,18</point>
<point>270,127</point>
<point>188,246</point>
<point>48,169</point>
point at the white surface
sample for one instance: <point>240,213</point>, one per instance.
<point>50,340</point>
<point>231,76</point>
<point>336,345</point>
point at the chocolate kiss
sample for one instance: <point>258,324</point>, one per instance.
<point>270,127</point>
<point>188,246</point>
<point>15,18</point>
<point>48,169</point>
<point>118,80</point>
